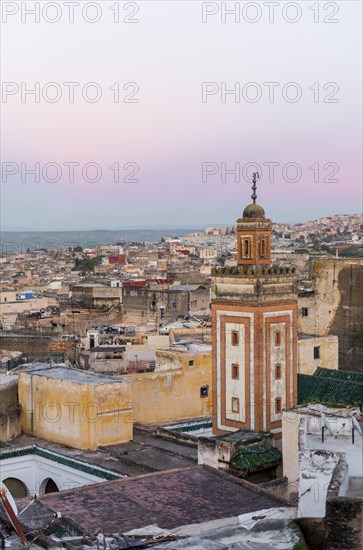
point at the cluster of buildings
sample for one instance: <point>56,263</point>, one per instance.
<point>342,227</point>
<point>177,400</point>
<point>345,227</point>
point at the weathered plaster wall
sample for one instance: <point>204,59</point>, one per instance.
<point>9,409</point>
<point>215,453</point>
<point>79,415</point>
<point>329,349</point>
<point>172,392</point>
<point>336,307</point>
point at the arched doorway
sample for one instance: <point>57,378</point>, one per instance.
<point>17,488</point>
<point>48,486</point>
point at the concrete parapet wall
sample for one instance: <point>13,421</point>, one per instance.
<point>344,515</point>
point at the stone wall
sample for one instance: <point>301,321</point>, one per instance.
<point>336,307</point>
<point>279,487</point>
<point>343,523</point>
<point>313,530</point>
<point>35,348</point>
<point>141,305</point>
<point>79,323</point>
<point>348,319</point>
<point>187,277</point>
<point>344,515</point>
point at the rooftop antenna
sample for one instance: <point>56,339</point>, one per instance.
<point>355,426</point>
<point>255,176</point>
<point>325,424</point>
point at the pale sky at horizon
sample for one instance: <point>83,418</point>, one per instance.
<point>172,135</point>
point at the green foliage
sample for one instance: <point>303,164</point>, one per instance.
<point>86,264</point>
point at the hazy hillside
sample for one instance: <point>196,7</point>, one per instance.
<point>22,240</point>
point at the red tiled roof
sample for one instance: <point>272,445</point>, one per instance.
<point>171,498</point>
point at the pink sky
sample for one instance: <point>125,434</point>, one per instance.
<point>170,132</point>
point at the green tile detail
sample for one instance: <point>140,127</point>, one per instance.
<point>193,426</point>
<point>347,375</point>
<point>329,390</point>
<point>77,465</point>
<point>256,457</point>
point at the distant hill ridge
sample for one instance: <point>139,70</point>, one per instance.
<point>22,240</point>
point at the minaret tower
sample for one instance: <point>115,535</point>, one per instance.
<point>254,331</point>
<point>253,234</point>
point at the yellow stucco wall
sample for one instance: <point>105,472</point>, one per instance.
<point>172,392</point>
<point>79,415</point>
<point>328,354</point>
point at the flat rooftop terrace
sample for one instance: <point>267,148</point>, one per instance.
<point>76,376</point>
<point>341,444</point>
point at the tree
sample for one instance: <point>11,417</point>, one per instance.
<point>86,264</point>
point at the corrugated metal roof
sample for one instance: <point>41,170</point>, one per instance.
<point>256,457</point>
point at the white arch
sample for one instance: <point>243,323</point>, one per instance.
<point>16,487</point>
<point>43,485</point>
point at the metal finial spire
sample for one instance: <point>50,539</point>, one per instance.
<point>254,186</point>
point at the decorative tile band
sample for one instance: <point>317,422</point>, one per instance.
<point>65,461</point>
<point>190,426</point>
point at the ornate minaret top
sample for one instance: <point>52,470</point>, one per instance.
<point>254,187</point>
<point>253,233</point>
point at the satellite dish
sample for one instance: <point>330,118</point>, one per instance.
<point>6,493</point>
<point>11,510</point>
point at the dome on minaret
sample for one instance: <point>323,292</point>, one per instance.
<point>253,211</point>
<point>253,233</point>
